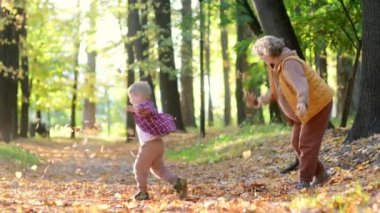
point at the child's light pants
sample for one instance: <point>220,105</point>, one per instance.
<point>151,156</point>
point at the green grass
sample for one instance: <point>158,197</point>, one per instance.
<point>229,145</point>
<point>18,155</point>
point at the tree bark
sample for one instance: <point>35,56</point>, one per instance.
<point>130,122</point>
<point>208,65</point>
<point>367,120</point>
<point>187,94</point>
<point>25,88</point>
<point>344,66</point>
<point>202,121</point>
<point>168,80</point>
<point>275,21</point>
<point>129,47</point>
<point>141,45</point>
<point>9,58</point>
<point>241,67</point>
<point>226,64</point>
<point>350,88</point>
<point>76,73</point>
<point>89,111</point>
<point>321,68</point>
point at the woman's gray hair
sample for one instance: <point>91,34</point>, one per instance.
<point>269,45</point>
<point>141,88</point>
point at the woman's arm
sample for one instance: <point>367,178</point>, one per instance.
<point>295,75</point>
<point>267,98</point>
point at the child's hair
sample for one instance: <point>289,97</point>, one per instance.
<point>141,87</point>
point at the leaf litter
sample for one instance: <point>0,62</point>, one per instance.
<point>93,177</point>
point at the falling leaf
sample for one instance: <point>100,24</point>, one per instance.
<point>18,175</point>
<point>247,154</point>
<point>34,168</point>
<point>85,140</point>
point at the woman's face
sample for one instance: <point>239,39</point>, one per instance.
<point>266,58</point>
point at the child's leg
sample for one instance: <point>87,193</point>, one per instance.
<point>147,154</point>
<point>158,167</point>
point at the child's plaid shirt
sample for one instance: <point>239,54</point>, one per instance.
<point>152,122</point>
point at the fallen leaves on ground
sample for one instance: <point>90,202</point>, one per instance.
<point>83,176</point>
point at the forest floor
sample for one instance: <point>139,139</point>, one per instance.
<point>89,175</point>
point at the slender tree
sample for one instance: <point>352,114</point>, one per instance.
<point>89,110</point>
<point>24,81</point>
<point>343,68</point>
<point>76,39</point>
<point>367,120</point>
<point>226,61</point>
<point>9,65</point>
<point>168,80</point>
<point>357,43</point>
<point>208,64</point>
<point>201,57</point>
<point>138,16</point>
<point>187,94</point>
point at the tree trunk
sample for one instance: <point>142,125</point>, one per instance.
<point>76,73</point>
<point>367,120</point>
<point>25,88</point>
<point>350,88</point>
<point>89,111</point>
<point>168,80</point>
<point>321,68</point>
<point>130,122</point>
<point>226,64</point>
<point>321,64</point>
<point>108,105</point>
<point>241,67</point>
<point>275,21</point>
<point>344,66</point>
<point>208,65</point>
<point>9,57</point>
<point>129,47</point>
<point>187,96</point>
<point>247,17</point>
<point>202,121</point>
<point>141,44</point>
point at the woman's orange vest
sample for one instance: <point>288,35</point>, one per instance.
<point>319,93</point>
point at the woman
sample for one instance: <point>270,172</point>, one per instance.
<point>304,98</point>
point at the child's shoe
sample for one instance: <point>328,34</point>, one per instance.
<point>321,179</point>
<point>141,196</point>
<point>180,187</point>
<point>303,185</point>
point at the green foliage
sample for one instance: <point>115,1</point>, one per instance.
<point>321,24</point>
<point>227,145</point>
<point>18,155</point>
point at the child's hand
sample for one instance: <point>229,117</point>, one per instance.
<point>131,109</point>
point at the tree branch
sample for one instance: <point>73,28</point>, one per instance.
<point>350,20</point>
<point>349,37</point>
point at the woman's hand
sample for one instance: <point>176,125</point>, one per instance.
<point>252,100</point>
<point>301,109</point>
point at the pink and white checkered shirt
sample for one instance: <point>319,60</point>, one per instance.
<point>152,122</point>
